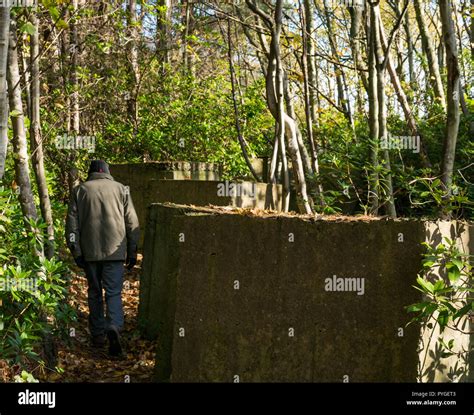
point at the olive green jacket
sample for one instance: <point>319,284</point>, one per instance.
<point>102,224</point>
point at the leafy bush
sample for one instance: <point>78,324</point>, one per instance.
<point>32,290</point>
<point>447,292</point>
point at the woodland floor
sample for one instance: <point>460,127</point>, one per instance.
<point>82,363</point>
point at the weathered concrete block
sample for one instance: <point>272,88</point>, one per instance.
<point>252,297</point>
<point>218,193</point>
<point>260,166</point>
<point>432,366</point>
<point>138,175</point>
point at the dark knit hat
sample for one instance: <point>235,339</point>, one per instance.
<point>99,166</point>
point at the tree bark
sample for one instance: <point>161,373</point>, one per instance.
<point>471,34</point>
<point>134,74</point>
<point>74,119</point>
<point>163,31</point>
<point>290,110</point>
<point>343,99</point>
<point>275,101</point>
<point>403,100</point>
<point>311,61</point>
<point>4,28</point>
<point>356,24</point>
<point>429,50</point>
<point>20,146</point>
<point>36,141</point>
<point>240,137</point>
<point>73,47</point>
<point>187,22</point>
<point>309,73</point>
<point>410,52</point>
<point>453,115</point>
<point>373,115</point>
<point>382,111</point>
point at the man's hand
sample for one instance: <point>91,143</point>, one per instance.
<point>80,262</point>
<point>131,262</point>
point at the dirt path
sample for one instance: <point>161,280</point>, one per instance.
<point>82,363</point>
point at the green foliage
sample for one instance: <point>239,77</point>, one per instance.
<point>429,194</point>
<point>32,288</point>
<point>345,168</point>
<point>25,377</point>
<point>445,283</point>
<point>186,118</point>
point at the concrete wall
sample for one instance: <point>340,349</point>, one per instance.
<point>238,297</point>
<point>434,367</point>
<point>138,176</point>
<point>192,184</point>
<point>218,193</point>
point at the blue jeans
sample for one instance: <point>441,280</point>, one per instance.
<point>106,275</point>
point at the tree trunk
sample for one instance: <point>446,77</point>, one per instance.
<point>403,100</point>
<point>311,61</point>
<point>74,119</point>
<point>36,142</point>
<point>4,27</point>
<point>309,72</point>
<point>429,50</point>
<point>464,71</point>
<point>20,146</point>
<point>275,68</point>
<point>453,116</point>
<point>410,53</point>
<point>73,47</point>
<point>373,115</point>
<point>242,143</point>
<point>471,34</point>
<point>343,99</point>
<point>356,23</point>
<point>163,31</point>
<point>382,112</point>
<point>134,75</point>
<point>275,100</point>
<point>187,22</point>
<point>290,109</point>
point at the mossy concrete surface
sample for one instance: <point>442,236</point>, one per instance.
<point>242,297</point>
<point>218,193</point>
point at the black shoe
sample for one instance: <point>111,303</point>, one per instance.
<point>98,341</point>
<point>115,348</point>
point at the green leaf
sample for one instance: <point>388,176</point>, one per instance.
<point>28,27</point>
<point>454,274</point>
<point>417,307</point>
<point>428,264</point>
<point>62,24</point>
<point>439,285</point>
<point>426,285</point>
<point>54,12</point>
<point>443,319</point>
<point>446,354</point>
<point>464,310</point>
<point>459,264</point>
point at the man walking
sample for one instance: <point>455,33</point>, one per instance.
<point>102,232</point>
